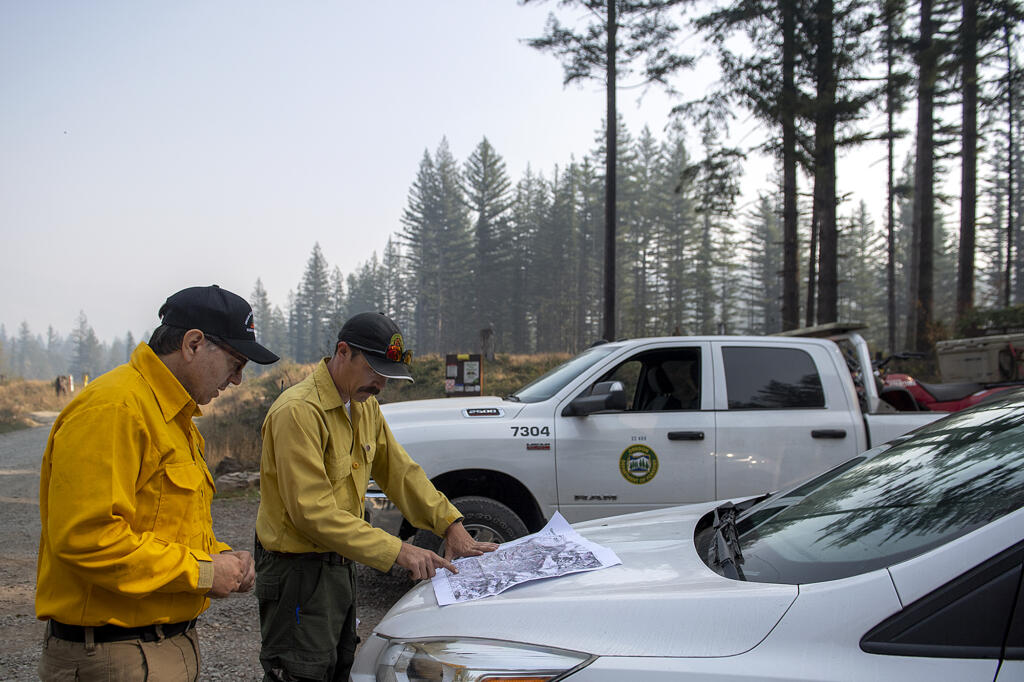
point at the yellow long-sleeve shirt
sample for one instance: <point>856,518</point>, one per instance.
<point>124,501</point>
<point>315,468</point>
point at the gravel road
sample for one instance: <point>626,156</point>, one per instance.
<point>229,630</point>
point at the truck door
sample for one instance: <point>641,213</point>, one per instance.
<point>657,452</point>
<point>783,416</point>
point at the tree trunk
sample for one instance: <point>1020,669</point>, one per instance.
<point>924,205</point>
<point>969,165</point>
<point>609,184</point>
<point>890,110</point>
<point>1011,158</point>
<point>825,165</point>
<point>812,270</point>
<point>790,242</point>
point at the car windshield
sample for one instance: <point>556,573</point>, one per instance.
<point>949,478</point>
<point>556,379</point>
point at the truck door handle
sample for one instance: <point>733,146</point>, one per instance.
<point>828,433</point>
<point>686,435</point>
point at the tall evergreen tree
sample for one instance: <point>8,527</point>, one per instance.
<point>260,302</point>
<point>88,355</point>
<point>436,232</point>
<point>717,177</point>
<point>677,237</point>
<point>622,31</point>
<point>862,250</point>
<point>763,292</point>
<point>487,189</point>
<point>313,331</point>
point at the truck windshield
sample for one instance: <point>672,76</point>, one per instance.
<point>554,381</point>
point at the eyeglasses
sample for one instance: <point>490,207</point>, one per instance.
<point>238,357</point>
<point>395,353</point>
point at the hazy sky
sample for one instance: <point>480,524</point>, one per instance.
<point>146,147</point>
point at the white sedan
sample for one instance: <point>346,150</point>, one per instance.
<point>903,564</point>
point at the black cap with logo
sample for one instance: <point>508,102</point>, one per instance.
<point>219,313</point>
<point>381,342</point>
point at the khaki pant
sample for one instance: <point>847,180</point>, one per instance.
<point>174,659</point>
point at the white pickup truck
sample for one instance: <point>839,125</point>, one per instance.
<point>647,423</point>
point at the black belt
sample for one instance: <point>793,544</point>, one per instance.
<point>115,633</point>
<point>329,558</point>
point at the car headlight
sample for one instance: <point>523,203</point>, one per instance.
<point>463,660</point>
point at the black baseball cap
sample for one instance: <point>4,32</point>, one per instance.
<point>381,342</point>
<point>219,313</point>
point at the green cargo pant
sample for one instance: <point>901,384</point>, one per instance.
<point>307,616</point>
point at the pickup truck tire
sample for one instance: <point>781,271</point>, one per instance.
<point>486,520</point>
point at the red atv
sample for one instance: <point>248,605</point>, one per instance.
<point>906,393</point>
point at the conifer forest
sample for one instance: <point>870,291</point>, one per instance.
<point>528,258</point>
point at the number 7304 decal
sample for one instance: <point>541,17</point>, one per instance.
<point>526,431</point>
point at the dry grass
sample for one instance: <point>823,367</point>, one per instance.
<point>19,398</point>
<point>231,423</point>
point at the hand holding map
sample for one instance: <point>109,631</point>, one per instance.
<point>554,551</point>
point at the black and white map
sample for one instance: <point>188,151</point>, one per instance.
<point>554,551</point>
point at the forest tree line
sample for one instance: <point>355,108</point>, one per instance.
<point>524,258</point>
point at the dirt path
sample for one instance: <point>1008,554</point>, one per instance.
<point>229,630</point>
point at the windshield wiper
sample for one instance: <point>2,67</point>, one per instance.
<point>724,553</point>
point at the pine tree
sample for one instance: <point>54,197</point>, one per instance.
<point>716,176</point>
<point>487,189</point>
<point>529,209</point>
<point>87,358</point>
<point>621,32</point>
<point>677,238</point>
<point>312,310</point>
<point>763,292</point>
<point>862,253</point>
<point>339,310</point>
<point>262,318</point>
<point>436,232</point>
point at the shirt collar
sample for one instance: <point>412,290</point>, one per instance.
<point>325,387</point>
<point>170,394</point>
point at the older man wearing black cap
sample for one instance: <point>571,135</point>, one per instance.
<point>322,441</point>
<point>127,554</point>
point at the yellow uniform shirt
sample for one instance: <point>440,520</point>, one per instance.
<point>124,501</point>
<point>315,468</point>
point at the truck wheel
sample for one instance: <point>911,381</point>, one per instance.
<point>486,520</point>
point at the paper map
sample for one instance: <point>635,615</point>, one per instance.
<point>554,551</point>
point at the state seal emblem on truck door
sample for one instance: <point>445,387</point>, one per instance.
<point>638,464</point>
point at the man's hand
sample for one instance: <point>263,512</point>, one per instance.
<point>232,572</point>
<point>421,563</point>
<point>248,570</point>
<point>459,543</point>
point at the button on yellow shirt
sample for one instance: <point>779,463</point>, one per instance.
<point>315,468</point>
<point>124,501</point>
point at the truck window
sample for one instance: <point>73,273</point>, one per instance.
<point>771,378</point>
<point>660,380</point>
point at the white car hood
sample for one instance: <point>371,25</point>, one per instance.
<point>483,408</point>
<point>661,601</point>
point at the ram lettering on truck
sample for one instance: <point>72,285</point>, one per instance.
<point>646,423</point>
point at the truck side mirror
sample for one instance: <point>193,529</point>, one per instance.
<point>607,395</point>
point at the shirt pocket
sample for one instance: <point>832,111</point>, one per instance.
<point>179,491</point>
<point>371,450</point>
<point>338,466</point>
<point>339,471</point>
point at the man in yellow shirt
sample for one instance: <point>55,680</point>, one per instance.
<point>127,554</point>
<point>322,441</point>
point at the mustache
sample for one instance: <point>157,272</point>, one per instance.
<point>372,390</point>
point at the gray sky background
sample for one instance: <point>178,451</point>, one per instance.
<point>146,147</point>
